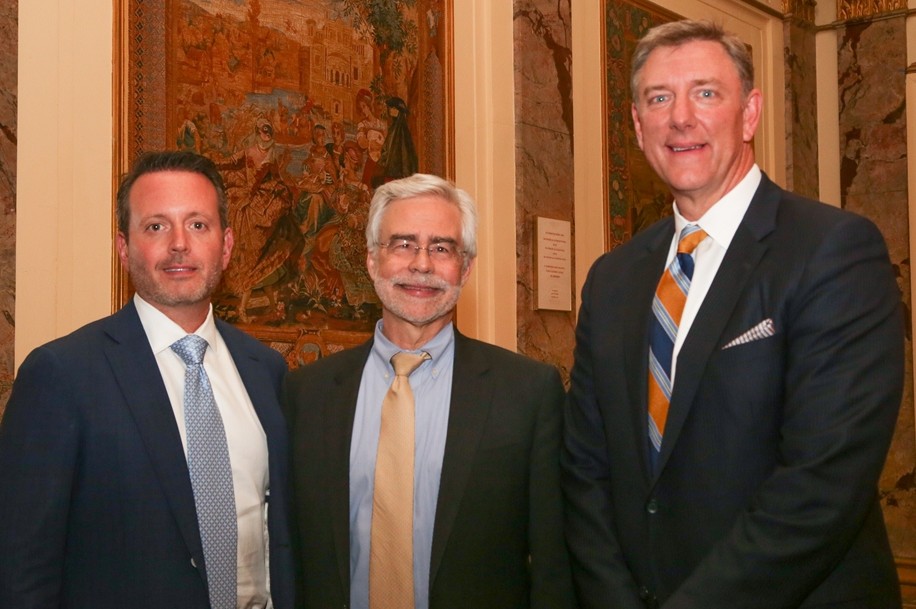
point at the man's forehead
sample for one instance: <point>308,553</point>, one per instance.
<point>422,213</point>
<point>170,188</point>
<point>662,55</point>
<point>658,73</point>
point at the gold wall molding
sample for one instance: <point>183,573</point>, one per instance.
<point>800,10</point>
<point>865,9</point>
<point>841,23</point>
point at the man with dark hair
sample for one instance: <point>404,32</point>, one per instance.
<point>138,453</point>
<point>738,371</point>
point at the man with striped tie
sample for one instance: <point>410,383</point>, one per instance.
<point>738,371</point>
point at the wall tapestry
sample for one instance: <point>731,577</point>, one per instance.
<point>306,106</point>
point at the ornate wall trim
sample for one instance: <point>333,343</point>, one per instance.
<point>865,9</point>
<point>799,10</point>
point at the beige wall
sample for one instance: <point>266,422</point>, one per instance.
<point>63,228</point>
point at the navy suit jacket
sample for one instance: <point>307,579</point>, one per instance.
<point>497,537</point>
<point>96,504</point>
<point>765,494</point>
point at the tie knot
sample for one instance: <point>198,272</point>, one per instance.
<point>405,363</point>
<point>691,237</point>
<point>190,349</point>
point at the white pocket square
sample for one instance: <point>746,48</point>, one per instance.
<point>762,330</point>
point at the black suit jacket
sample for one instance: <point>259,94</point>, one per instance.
<point>96,504</point>
<point>497,538</point>
<point>765,495</point>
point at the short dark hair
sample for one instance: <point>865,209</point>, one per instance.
<point>169,160</point>
<point>677,33</point>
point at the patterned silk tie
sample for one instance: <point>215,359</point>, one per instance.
<point>211,475</point>
<point>391,544</point>
<point>667,307</point>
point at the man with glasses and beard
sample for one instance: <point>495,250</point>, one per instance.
<point>442,491</point>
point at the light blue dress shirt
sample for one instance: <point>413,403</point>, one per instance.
<point>432,387</point>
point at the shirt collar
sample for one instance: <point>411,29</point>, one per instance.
<point>162,332</point>
<point>722,219</point>
<point>384,349</point>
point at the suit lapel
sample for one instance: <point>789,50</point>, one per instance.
<point>743,255</point>
<point>339,412</point>
<point>645,272</point>
<point>471,399</point>
<point>261,388</point>
<point>137,373</point>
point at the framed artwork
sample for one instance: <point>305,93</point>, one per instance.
<point>305,106</point>
<point>636,196</point>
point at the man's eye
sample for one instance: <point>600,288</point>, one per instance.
<point>155,227</point>
<point>707,93</point>
<point>198,225</point>
<point>442,248</point>
<point>657,99</point>
<point>403,245</point>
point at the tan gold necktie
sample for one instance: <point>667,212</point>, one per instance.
<point>391,545</point>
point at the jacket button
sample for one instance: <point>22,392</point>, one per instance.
<point>652,506</point>
<point>644,593</point>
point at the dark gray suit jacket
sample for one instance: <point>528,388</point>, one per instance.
<point>497,538</point>
<point>96,504</point>
<point>765,495</point>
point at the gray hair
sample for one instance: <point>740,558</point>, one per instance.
<point>417,185</point>
<point>677,33</point>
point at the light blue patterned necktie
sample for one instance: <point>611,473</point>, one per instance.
<point>211,475</point>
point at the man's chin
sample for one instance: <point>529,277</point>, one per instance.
<point>176,299</point>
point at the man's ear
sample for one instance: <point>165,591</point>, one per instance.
<point>753,107</point>
<point>371,264</point>
<point>121,245</point>
<point>228,244</point>
<point>466,271</point>
<point>636,124</point>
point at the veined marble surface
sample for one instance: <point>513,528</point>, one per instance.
<point>8,93</point>
<point>873,176</point>
<point>544,164</point>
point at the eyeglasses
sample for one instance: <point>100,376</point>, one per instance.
<point>407,249</point>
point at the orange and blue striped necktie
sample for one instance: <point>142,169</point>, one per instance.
<point>667,307</point>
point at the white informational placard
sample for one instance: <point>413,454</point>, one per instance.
<point>554,264</point>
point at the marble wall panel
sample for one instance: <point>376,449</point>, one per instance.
<point>8,93</point>
<point>873,175</point>
<point>544,164</point>
<point>801,108</point>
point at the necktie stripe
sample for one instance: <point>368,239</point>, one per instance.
<point>681,273</point>
<point>665,319</point>
<point>659,378</point>
<point>667,309</point>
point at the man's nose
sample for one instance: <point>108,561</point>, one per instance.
<point>421,260</point>
<point>682,113</point>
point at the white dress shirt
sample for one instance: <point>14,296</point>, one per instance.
<point>244,435</point>
<point>720,223</point>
